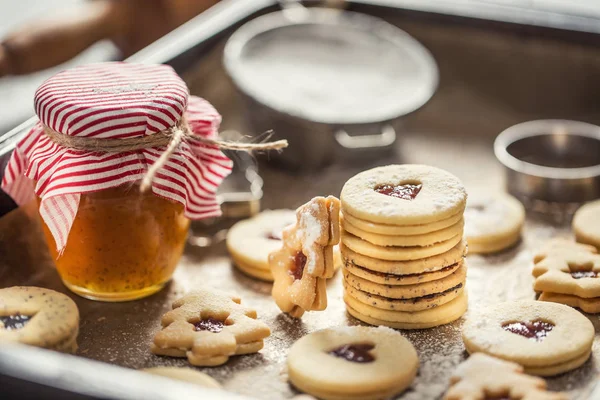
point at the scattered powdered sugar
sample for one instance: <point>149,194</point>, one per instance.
<point>310,229</point>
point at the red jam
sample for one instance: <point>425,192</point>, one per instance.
<point>275,234</point>
<point>406,192</point>
<point>358,353</point>
<point>536,330</point>
<point>209,324</point>
<point>584,274</point>
<point>298,267</point>
<point>14,322</point>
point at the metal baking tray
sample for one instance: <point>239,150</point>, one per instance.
<point>492,75</point>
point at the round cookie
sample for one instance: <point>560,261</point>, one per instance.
<point>407,267</point>
<point>186,375</point>
<point>409,305</point>
<point>352,363</point>
<point>534,334</point>
<point>586,224</point>
<point>392,279</point>
<point>38,317</point>
<point>408,291</point>
<point>403,195</point>
<point>424,239</point>
<point>259,273</point>
<point>396,253</point>
<point>430,318</point>
<point>493,224</point>
<point>406,230</point>
<point>252,240</point>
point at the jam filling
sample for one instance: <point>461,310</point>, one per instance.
<point>298,268</point>
<point>584,274</point>
<point>14,322</point>
<point>407,191</point>
<point>274,235</point>
<point>358,353</point>
<point>536,330</point>
<point>209,324</point>
<point>400,277</point>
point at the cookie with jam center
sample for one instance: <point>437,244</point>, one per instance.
<point>493,223</point>
<point>38,317</point>
<point>586,224</point>
<point>401,195</point>
<point>352,363</point>
<point>545,338</point>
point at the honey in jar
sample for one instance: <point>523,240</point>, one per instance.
<point>123,244</point>
<point>120,161</point>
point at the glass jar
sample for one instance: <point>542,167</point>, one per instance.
<point>123,244</point>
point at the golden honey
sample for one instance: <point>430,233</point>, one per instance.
<point>123,244</point>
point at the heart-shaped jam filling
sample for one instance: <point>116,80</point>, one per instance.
<point>584,274</point>
<point>298,267</point>
<point>209,324</point>
<point>14,322</point>
<point>275,234</point>
<point>407,191</point>
<point>535,330</point>
<point>358,353</point>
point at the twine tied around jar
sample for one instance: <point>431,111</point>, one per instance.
<point>171,137</point>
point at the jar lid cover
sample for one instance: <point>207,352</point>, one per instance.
<point>115,101</point>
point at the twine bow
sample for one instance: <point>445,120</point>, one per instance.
<point>171,137</point>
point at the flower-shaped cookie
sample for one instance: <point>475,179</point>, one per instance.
<point>482,376</point>
<point>305,260</point>
<point>570,270</point>
<point>208,327</point>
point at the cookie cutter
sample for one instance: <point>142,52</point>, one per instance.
<point>551,165</point>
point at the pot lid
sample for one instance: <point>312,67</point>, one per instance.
<point>331,66</point>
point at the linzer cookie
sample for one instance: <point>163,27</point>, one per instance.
<point>39,317</point>
<point>403,247</point>
<point>485,377</point>
<point>586,224</point>
<point>569,273</point>
<point>305,260</point>
<point>250,242</point>
<point>545,338</point>
<point>207,327</point>
<point>493,223</point>
<point>352,363</point>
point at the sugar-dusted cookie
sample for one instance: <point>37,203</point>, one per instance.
<point>352,363</point>
<point>397,253</point>
<point>186,375</point>
<point>486,377</point>
<point>493,223</point>
<point>591,305</point>
<point>208,326</point>
<point>571,271</point>
<point>559,245</point>
<point>403,195</point>
<point>428,318</point>
<point>586,224</point>
<point>395,279</point>
<point>419,266</point>
<point>408,291</point>
<point>402,230</point>
<point>424,239</point>
<point>305,260</point>
<point>250,241</point>
<point>545,338</point>
<point>39,317</point>
<point>410,305</point>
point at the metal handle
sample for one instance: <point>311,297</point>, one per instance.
<point>383,139</point>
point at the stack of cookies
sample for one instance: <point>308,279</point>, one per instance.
<point>567,272</point>
<point>403,248</point>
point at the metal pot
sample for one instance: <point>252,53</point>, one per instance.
<point>327,79</point>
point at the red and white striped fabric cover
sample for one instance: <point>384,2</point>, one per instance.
<point>115,100</point>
